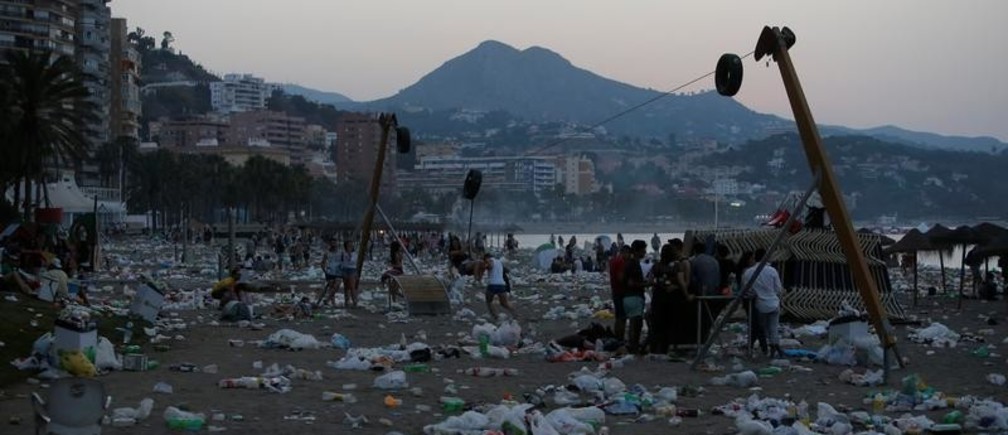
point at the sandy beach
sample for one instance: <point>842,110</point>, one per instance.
<point>956,372</point>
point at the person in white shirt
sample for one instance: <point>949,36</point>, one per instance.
<point>497,285</point>
<point>767,290</point>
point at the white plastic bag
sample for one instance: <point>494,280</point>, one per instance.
<point>588,383</point>
<point>592,415</point>
<point>541,426</point>
<point>564,422</point>
<point>105,356</point>
<point>612,386</point>
<point>391,381</point>
<point>508,334</point>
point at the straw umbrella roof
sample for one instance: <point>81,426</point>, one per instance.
<point>996,247</point>
<point>938,236</point>
<point>989,231</point>
<point>883,239</point>
<point>963,235</point>
<point>912,241</point>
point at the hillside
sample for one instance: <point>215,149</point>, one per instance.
<point>539,85</point>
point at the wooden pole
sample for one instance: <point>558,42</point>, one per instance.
<point>915,278</point>
<point>775,42</point>
<point>386,121</point>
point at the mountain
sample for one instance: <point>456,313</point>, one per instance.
<point>899,135</point>
<point>537,84</point>
<point>321,97</point>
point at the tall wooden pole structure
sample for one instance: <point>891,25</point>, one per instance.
<point>387,121</point>
<point>775,42</point>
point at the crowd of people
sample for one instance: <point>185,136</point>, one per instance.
<point>675,280</point>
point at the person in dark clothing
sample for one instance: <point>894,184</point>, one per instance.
<point>617,265</point>
<point>727,268</point>
<point>661,316</point>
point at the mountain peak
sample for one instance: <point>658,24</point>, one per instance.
<point>491,45</point>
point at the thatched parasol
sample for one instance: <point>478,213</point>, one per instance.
<point>988,231</point>
<point>961,236</point>
<point>913,241</point>
<point>998,247</point>
<point>936,236</point>
<point>884,240</point>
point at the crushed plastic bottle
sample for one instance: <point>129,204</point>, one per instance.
<point>178,419</point>
<point>452,404</point>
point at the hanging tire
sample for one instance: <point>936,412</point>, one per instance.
<point>728,75</point>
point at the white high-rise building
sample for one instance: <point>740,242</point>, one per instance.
<point>239,93</point>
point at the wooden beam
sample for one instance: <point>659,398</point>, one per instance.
<point>829,189</point>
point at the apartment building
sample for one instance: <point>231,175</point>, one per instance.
<point>93,45</point>
<point>275,129</point>
<point>358,138</point>
<point>125,110</point>
<point>39,25</point>
<point>239,93</point>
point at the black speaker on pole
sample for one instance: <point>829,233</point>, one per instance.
<point>402,140</point>
<point>472,184</point>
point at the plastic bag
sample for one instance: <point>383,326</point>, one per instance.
<point>564,422</point>
<point>391,381</point>
<point>592,415</point>
<point>105,356</point>
<point>588,383</point>
<point>339,341</point>
<point>290,339</point>
<point>508,334</point>
<point>541,426</point>
<point>612,386</point>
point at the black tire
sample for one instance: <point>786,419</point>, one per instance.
<point>728,75</point>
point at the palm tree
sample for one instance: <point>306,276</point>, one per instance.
<point>49,106</point>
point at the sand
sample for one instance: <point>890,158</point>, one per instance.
<point>953,371</point>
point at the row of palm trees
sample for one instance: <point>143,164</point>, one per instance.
<point>43,109</point>
<point>202,186</point>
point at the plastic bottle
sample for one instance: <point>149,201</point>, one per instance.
<point>452,404</point>
<point>178,419</point>
<point>982,352</point>
<point>954,417</point>
<point>331,396</point>
<point>418,367</point>
<point>484,345</point>
<point>770,371</point>
<point>688,412</point>
<point>190,424</point>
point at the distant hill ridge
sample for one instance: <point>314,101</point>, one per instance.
<point>540,85</point>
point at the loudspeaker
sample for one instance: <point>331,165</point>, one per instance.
<point>402,140</point>
<point>472,184</point>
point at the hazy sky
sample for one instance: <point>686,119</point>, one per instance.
<point>937,66</point>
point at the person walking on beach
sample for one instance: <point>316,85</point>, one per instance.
<point>767,289</point>
<point>348,262</point>
<point>333,270</point>
<point>497,286</point>
<point>655,242</point>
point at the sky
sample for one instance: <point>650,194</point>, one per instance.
<point>925,65</point>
